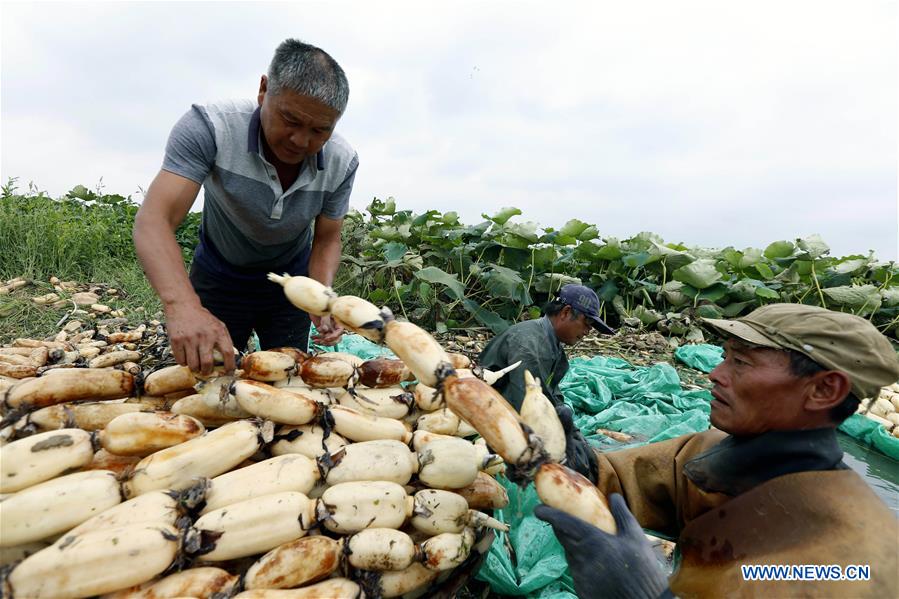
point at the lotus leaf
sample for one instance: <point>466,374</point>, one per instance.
<point>700,274</point>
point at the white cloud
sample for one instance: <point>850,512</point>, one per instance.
<point>710,123</point>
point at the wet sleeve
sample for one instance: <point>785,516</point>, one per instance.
<point>647,477</point>
<point>190,151</point>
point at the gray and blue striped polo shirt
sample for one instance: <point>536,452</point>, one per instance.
<point>248,219</point>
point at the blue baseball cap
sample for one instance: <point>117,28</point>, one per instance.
<point>583,299</point>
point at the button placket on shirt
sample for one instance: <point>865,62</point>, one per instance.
<point>278,208</point>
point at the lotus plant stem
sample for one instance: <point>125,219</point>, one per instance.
<point>398,298</point>
<point>885,327</point>
<point>530,280</point>
<point>887,280</point>
<point>818,286</point>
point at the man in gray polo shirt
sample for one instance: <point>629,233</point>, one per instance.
<point>277,182</point>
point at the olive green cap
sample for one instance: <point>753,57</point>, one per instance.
<point>835,340</point>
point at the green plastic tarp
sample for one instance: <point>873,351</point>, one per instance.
<point>539,558</point>
<point>871,433</point>
<point>700,356</point>
<point>352,344</point>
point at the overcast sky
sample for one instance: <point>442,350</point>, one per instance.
<point>711,123</point>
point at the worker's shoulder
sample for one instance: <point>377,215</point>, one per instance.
<point>521,330</point>
<point>226,118</point>
<point>229,108</point>
<point>527,326</point>
<point>708,438</point>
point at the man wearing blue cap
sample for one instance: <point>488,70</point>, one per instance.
<point>538,345</point>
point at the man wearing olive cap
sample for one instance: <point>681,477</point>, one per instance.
<point>538,345</point>
<point>768,487</point>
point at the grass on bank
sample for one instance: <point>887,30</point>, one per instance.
<point>86,237</point>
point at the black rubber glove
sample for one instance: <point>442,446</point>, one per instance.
<point>579,456</point>
<point>621,566</point>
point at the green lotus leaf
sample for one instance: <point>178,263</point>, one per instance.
<point>607,291</point>
<point>709,311</point>
<point>699,274</point>
<point>550,283</point>
<point>574,227</point>
<point>890,296</point>
<point>672,258</point>
<point>737,308</point>
<point>382,208</point>
<point>589,233</point>
<point>813,246</point>
<point>494,321</point>
<point>732,256</point>
<point>674,294</point>
<point>424,291</point>
<point>394,251</point>
<point>646,315</point>
<point>779,249</point>
<point>751,257</point>
<point>640,259</point>
<point>714,293</point>
<point>850,266</point>
<point>505,282</point>
<point>526,231</point>
<point>611,250</point>
<point>744,289</point>
<point>764,271</point>
<point>767,293</point>
<point>432,274</point>
<point>503,215</point>
<point>854,296</point>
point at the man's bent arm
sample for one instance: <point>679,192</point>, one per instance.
<point>647,477</point>
<point>163,210</point>
<point>324,258</point>
<point>193,331</point>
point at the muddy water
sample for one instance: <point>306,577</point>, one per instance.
<point>878,470</point>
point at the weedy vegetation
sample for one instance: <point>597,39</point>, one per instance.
<point>446,275</point>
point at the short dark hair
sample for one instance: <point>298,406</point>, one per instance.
<point>802,366</point>
<point>553,307</point>
<point>310,71</point>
